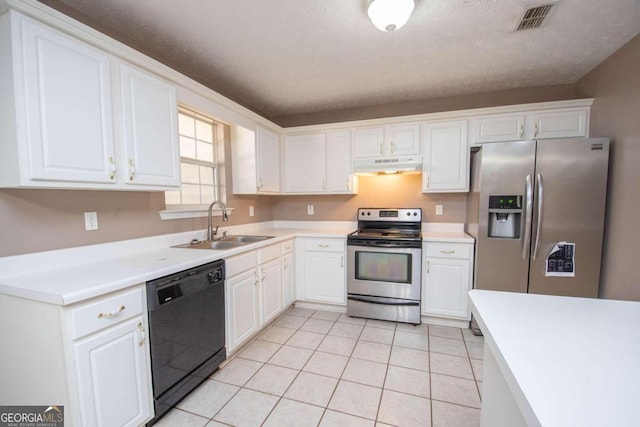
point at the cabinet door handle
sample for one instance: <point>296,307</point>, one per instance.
<point>522,131</point>
<point>324,184</point>
<point>323,246</point>
<point>112,175</point>
<point>255,279</point>
<point>342,261</point>
<point>111,314</point>
<point>142,334</point>
<point>349,183</point>
<point>428,266</point>
<point>393,147</point>
<point>381,148</point>
<point>285,264</point>
<point>262,275</point>
<point>132,170</point>
<point>426,177</point>
<point>535,130</point>
<point>260,184</point>
<point>448,252</point>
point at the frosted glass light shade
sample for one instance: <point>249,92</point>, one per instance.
<point>390,15</point>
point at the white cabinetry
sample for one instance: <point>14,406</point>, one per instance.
<point>112,366</point>
<point>446,157</point>
<point>340,178</point>
<point>288,273</point>
<point>560,123</point>
<point>541,124</point>
<point>447,273</point>
<point>318,163</point>
<point>305,163</point>
<point>58,126</point>
<point>268,160</point>
<point>321,272</point>
<point>92,357</point>
<point>255,160</point>
<point>150,117</point>
<point>387,141</point>
<point>254,293</point>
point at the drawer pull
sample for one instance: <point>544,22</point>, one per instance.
<point>110,315</point>
<point>448,252</point>
<point>323,246</point>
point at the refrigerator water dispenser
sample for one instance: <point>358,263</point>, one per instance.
<point>505,216</point>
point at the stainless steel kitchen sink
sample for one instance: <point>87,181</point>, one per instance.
<point>245,239</point>
<point>227,242</point>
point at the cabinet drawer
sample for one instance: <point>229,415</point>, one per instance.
<point>239,263</point>
<point>447,250</point>
<point>268,253</point>
<point>105,312</point>
<point>329,245</point>
<point>287,246</point>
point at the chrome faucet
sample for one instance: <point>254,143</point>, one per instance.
<point>225,217</point>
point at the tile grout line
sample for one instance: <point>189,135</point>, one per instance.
<point>345,367</point>
<point>384,381</point>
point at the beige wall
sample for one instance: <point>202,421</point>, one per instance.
<point>433,105</point>
<point>38,220</point>
<point>615,85</point>
<point>404,191</point>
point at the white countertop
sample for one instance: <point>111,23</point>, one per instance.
<point>72,275</point>
<point>568,361</point>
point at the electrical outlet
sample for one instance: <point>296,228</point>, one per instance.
<point>252,211</point>
<point>309,209</point>
<point>439,210</point>
<point>90,221</point>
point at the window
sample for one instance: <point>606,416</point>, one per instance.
<point>199,160</point>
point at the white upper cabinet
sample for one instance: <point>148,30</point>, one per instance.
<point>318,163</point>
<point>541,124</point>
<point>387,141</point>
<point>63,96</point>
<point>560,123</point>
<point>498,128</point>
<point>58,126</point>
<point>305,159</point>
<point>150,117</point>
<point>446,157</point>
<point>268,160</point>
<point>340,178</point>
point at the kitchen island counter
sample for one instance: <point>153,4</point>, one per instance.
<point>558,361</point>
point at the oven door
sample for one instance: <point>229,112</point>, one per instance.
<point>390,272</point>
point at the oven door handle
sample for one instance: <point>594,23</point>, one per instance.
<point>381,301</point>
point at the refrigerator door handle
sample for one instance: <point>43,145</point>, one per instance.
<point>528,214</point>
<point>539,224</point>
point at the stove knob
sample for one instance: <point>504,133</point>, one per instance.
<point>368,213</point>
<point>408,213</point>
<point>415,214</point>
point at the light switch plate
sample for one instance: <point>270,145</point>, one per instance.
<point>252,212</point>
<point>439,210</point>
<point>309,209</point>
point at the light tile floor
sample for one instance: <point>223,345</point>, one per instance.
<point>321,368</point>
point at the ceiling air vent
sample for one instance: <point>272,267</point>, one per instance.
<point>534,16</point>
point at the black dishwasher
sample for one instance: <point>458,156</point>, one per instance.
<point>186,332</point>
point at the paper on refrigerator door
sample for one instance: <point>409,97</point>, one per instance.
<point>561,260</point>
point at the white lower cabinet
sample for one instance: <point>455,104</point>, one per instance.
<point>321,273</point>
<point>255,288</point>
<point>447,274</point>
<point>91,357</point>
<point>112,374</point>
<point>288,273</point>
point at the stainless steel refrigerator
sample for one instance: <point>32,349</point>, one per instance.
<point>536,209</point>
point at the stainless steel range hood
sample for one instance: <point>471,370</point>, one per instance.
<point>411,164</point>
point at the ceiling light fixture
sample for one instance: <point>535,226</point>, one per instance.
<point>390,15</point>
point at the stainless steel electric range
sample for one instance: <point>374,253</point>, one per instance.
<point>384,264</point>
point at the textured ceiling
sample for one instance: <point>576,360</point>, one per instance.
<point>287,57</point>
